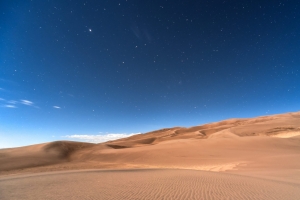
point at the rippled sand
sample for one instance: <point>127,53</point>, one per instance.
<point>144,184</point>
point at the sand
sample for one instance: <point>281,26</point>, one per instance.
<point>257,158</point>
<point>145,184</point>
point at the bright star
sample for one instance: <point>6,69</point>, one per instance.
<point>90,30</point>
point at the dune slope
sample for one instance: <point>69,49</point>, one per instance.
<point>39,155</point>
<point>267,146</point>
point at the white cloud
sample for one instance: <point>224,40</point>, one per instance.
<point>57,107</point>
<point>26,102</point>
<point>100,138</point>
<point>9,106</point>
<point>12,103</point>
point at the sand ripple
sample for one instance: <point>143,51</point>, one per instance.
<point>144,184</point>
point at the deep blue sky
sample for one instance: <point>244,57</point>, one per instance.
<point>93,67</point>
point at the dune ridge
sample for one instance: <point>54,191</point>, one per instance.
<point>233,145</point>
<point>256,158</point>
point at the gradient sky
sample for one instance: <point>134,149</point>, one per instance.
<point>93,67</point>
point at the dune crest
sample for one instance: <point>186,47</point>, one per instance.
<point>255,158</point>
<point>223,134</point>
<point>233,146</point>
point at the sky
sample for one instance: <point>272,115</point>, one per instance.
<point>99,70</point>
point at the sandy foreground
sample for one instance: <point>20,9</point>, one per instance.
<point>144,184</point>
<point>256,158</point>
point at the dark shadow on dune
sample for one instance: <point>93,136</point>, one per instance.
<point>65,148</point>
<point>114,146</point>
<point>131,144</point>
<point>146,141</point>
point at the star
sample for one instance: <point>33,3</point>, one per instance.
<point>90,30</point>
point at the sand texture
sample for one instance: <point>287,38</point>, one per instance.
<point>145,184</point>
<point>255,158</point>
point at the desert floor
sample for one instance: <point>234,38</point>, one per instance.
<point>144,184</point>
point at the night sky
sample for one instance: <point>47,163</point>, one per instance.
<point>95,70</point>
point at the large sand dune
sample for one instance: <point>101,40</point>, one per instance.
<point>257,158</point>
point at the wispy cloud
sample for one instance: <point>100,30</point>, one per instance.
<point>57,107</point>
<point>13,103</point>
<point>9,106</point>
<point>26,102</point>
<point>100,138</point>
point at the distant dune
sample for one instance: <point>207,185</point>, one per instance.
<point>264,152</point>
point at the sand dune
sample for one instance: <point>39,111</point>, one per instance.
<point>216,144</point>
<point>39,155</point>
<point>264,148</point>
